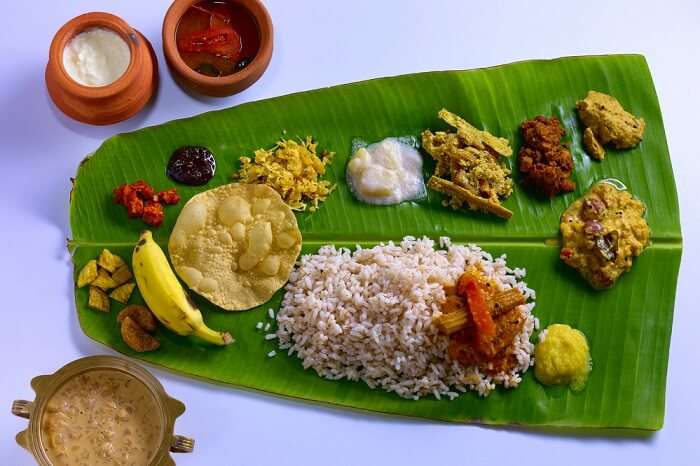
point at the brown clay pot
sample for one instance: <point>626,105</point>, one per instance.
<point>224,85</point>
<point>114,102</point>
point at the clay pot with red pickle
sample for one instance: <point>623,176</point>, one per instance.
<point>217,47</point>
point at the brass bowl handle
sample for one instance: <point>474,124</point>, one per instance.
<point>182,444</point>
<point>22,408</point>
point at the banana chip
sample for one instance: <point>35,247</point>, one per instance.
<point>98,299</point>
<point>123,293</point>
<point>121,275</point>
<point>88,274</point>
<point>235,245</point>
<point>110,262</point>
<point>104,280</point>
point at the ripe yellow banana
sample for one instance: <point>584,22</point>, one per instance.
<point>165,295</point>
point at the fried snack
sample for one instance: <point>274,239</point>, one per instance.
<point>141,315</point>
<point>469,169</point>
<point>141,201</point>
<point>293,170</point>
<point>123,293</point>
<point>121,275</point>
<point>136,337</point>
<point>545,162</point>
<point>609,124</point>
<point>98,299</point>
<point>103,280</point>
<point>108,261</point>
<point>235,245</point>
<point>87,274</point>
<point>153,213</point>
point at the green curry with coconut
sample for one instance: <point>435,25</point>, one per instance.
<point>602,233</point>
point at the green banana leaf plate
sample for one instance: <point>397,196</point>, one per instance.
<point>629,326</point>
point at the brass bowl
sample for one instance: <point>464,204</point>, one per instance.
<point>45,386</point>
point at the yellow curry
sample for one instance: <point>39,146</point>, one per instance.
<point>602,233</point>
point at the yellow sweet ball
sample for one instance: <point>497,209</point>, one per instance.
<point>562,357</point>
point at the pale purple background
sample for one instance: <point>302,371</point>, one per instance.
<point>321,43</point>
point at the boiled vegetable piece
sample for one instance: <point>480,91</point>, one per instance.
<point>452,322</point>
<point>505,301</point>
<point>455,320</point>
<point>475,137</point>
<point>447,187</point>
<point>593,147</point>
<point>468,286</point>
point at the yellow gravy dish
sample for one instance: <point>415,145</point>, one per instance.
<point>602,233</point>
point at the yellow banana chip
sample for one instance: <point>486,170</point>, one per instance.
<point>98,299</point>
<point>108,261</point>
<point>121,275</point>
<point>123,292</point>
<point>103,280</point>
<point>88,274</point>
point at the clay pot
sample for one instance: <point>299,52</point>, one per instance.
<point>224,85</point>
<point>114,102</point>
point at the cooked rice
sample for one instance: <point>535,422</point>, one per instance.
<point>368,315</point>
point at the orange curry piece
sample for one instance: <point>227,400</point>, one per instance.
<point>491,350</point>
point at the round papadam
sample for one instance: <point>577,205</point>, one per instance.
<point>235,245</point>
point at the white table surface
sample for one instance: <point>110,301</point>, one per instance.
<point>321,43</point>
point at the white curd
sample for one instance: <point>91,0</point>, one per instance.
<point>387,172</point>
<point>96,57</point>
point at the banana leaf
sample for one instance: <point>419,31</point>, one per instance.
<point>628,327</point>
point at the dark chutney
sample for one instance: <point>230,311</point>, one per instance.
<point>191,165</point>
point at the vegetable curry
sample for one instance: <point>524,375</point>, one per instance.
<point>482,322</point>
<point>602,233</point>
